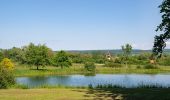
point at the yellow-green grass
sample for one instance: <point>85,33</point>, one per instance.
<point>42,94</point>
<point>85,94</point>
<point>23,70</point>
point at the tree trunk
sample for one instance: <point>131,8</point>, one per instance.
<point>126,65</point>
<point>37,68</point>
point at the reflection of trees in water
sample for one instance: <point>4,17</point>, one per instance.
<point>80,80</point>
<point>126,80</point>
<point>37,80</point>
<point>62,80</point>
<point>90,74</point>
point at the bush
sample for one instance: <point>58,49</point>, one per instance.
<point>89,66</point>
<point>112,64</point>
<point>150,66</point>
<point>164,61</point>
<point>118,60</point>
<point>6,78</point>
<point>138,67</point>
<point>6,63</point>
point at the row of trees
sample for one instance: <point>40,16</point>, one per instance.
<point>41,55</point>
<point>36,55</point>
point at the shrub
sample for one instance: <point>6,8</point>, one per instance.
<point>150,66</point>
<point>6,78</point>
<point>164,61</point>
<point>6,63</point>
<point>89,66</point>
<point>138,67</point>
<point>118,60</point>
<point>112,64</point>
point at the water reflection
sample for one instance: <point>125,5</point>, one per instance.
<point>126,80</point>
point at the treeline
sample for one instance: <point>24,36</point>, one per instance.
<point>41,55</point>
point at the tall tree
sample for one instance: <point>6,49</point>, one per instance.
<point>61,59</point>
<point>37,55</point>
<point>127,49</point>
<point>160,40</point>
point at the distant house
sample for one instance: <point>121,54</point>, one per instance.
<point>108,56</point>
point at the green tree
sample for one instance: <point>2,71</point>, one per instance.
<point>160,40</point>
<point>127,49</point>
<point>90,66</point>
<point>61,59</point>
<point>37,55</point>
<point>14,53</point>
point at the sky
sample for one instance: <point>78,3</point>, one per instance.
<point>79,24</point>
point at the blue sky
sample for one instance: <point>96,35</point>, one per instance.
<point>79,24</point>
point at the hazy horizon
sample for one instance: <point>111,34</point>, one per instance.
<point>79,24</point>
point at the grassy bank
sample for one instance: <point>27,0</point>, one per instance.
<point>85,94</point>
<point>23,70</point>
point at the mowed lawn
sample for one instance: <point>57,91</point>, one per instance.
<point>85,94</point>
<point>42,94</point>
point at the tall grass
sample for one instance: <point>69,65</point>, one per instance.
<point>111,86</point>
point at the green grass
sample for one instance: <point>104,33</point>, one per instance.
<point>21,92</point>
<point>19,86</point>
<point>86,94</point>
<point>23,70</point>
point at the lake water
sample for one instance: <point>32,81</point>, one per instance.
<point>126,80</point>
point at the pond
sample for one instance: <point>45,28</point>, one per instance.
<point>125,80</point>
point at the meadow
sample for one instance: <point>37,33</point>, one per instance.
<point>86,94</point>
<point>25,70</point>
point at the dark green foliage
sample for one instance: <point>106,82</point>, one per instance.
<point>90,86</point>
<point>136,61</point>
<point>98,57</point>
<point>37,55</point>
<point>95,57</point>
<point>127,49</point>
<point>138,67</point>
<point>1,56</point>
<point>144,56</point>
<point>118,60</point>
<point>160,40</point>
<point>75,57</point>
<point>150,66</point>
<point>61,59</point>
<point>112,64</point>
<point>14,53</point>
<point>6,78</point>
<point>164,61</point>
<point>89,66</point>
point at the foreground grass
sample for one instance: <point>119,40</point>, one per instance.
<point>22,70</point>
<point>86,94</point>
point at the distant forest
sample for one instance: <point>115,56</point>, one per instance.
<point>114,52</point>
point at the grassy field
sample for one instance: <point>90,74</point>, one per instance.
<point>85,94</point>
<point>73,93</point>
<point>23,70</point>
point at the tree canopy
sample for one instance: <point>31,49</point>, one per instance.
<point>160,40</point>
<point>37,55</point>
<point>61,59</point>
<point>127,49</point>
